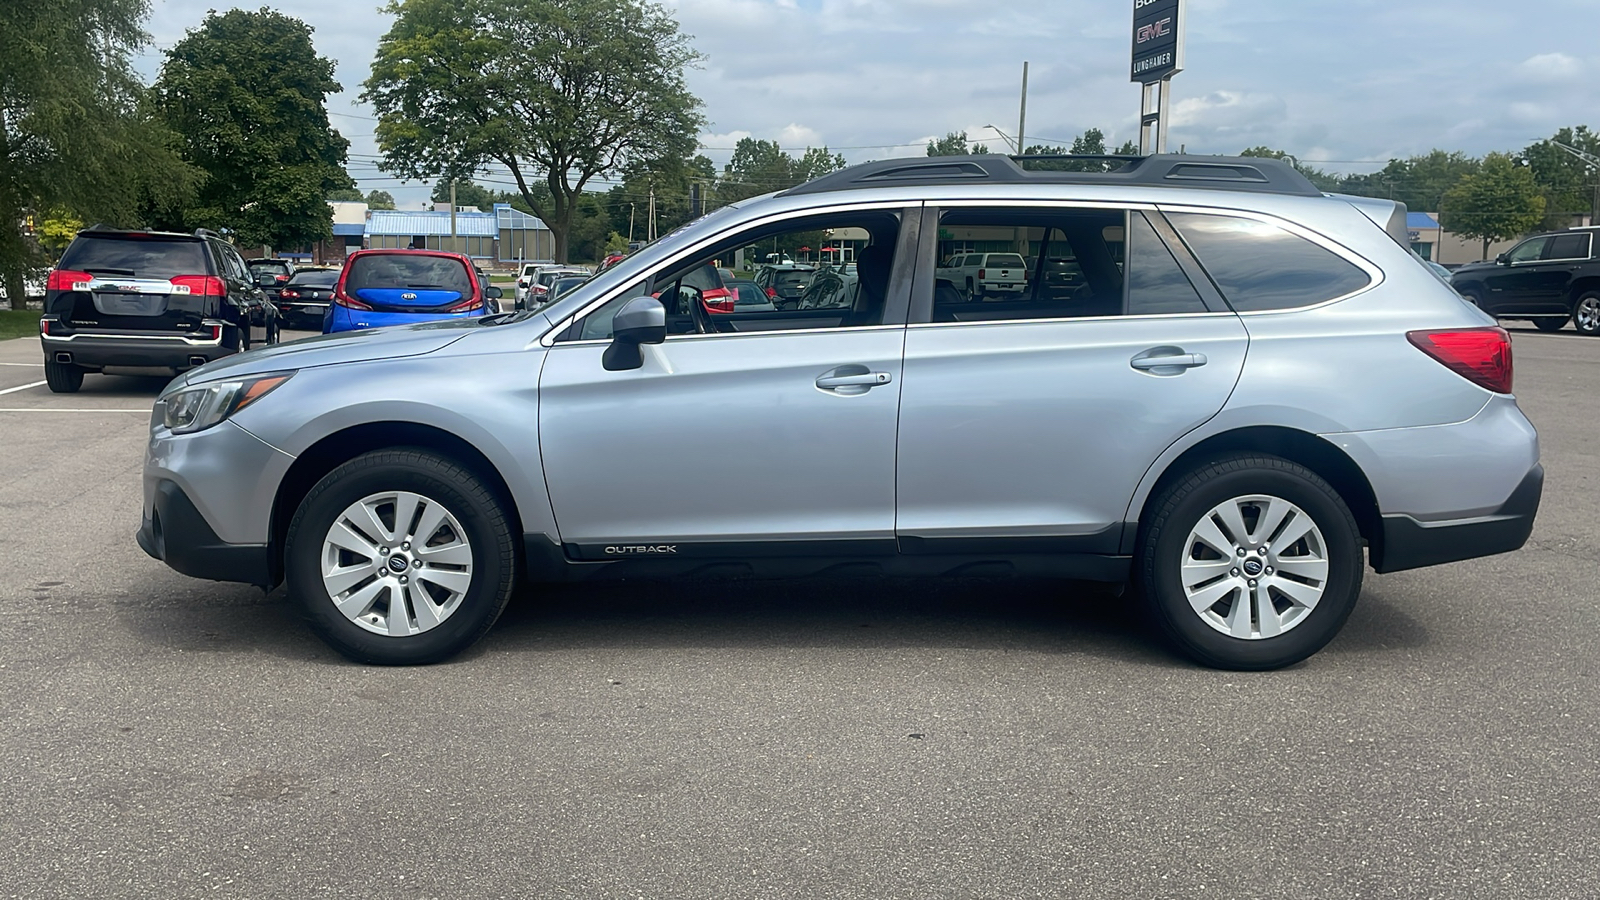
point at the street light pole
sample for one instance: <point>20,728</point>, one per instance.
<point>1022,114</point>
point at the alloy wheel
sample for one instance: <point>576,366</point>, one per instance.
<point>1254,567</point>
<point>1587,316</point>
<point>396,563</point>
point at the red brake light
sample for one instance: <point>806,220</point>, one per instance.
<point>772,293</point>
<point>202,285</point>
<point>982,274</point>
<point>66,280</point>
<point>466,305</point>
<point>343,299</point>
<point>289,294</point>
<point>281,278</point>
<point>44,326</point>
<point>717,300</point>
<point>1480,355</point>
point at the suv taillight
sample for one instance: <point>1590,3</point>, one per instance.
<point>1480,355</point>
<point>66,280</point>
<point>202,285</point>
<point>982,274</point>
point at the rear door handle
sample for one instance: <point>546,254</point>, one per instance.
<point>869,379</point>
<point>1147,361</point>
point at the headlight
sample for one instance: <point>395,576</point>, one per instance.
<point>200,407</point>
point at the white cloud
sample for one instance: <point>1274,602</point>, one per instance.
<point>1228,110</point>
<point>798,136</point>
<point>1548,68</point>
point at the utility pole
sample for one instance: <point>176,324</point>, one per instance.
<point>1594,168</point>
<point>630,222</point>
<point>452,215</point>
<point>650,230</point>
<point>1022,115</point>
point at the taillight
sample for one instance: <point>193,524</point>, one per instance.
<point>772,293</point>
<point>201,285</point>
<point>1480,355</point>
<point>343,299</point>
<point>982,274</point>
<point>718,300</point>
<point>68,280</point>
<point>467,305</point>
<point>281,278</point>
<point>288,294</point>
<point>44,326</point>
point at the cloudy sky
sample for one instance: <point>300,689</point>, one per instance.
<point>1345,84</point>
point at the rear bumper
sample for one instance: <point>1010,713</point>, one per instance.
<point>154,350</point>
<point>1410,544</point>
<point>175,532</point>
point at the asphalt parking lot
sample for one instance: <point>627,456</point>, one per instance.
<point>166,737</point>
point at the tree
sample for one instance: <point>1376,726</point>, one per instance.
<point>1420,182</point>
<point>1324,181</point>
<point>1091,143</point>
<point>380,200</point>
<point>467,194</point>
<point>74,135</point>
<point>760,167</point>
<point>57,231</point>
<point>346,195</point>
<point>246,92</point>
<point>1571,186</point>
<point>1498,203</point>
<point>558,90</point>
<point>955,144</point>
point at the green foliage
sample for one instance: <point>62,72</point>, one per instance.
<point>380,200</point>
<point>1571,186</point>
<point>1324,181</point>
<point>57,231</point>
<point>955,144</point>
<point>558,91</point>
<point>1420,182</point>
<point>73,131</point>
<point>467,194</point>
<point>1501,201</point>
<point>1091,143</point>
<point>760,167</point>
<point>346,195</point>
<point>246,91</point>
<point>615,243</point>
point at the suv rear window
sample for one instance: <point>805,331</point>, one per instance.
<point>404,270</point>
<point>1003,260</point>
<point>1259,266</point>
<point>146,257</point>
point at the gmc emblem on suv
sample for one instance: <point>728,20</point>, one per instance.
<point>637,550</point>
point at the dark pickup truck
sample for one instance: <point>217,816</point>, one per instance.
<point>1550,279</point>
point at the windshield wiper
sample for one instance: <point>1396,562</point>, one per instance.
<point>505,318</point>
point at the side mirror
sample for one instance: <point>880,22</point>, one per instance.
<point>642,320</point>
<point>495,293</point>
<point>1502,259</point>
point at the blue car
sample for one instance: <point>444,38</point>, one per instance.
<point>402,287</point>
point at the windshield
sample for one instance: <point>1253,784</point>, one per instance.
<point>141,257</point>
<point>633,266</point>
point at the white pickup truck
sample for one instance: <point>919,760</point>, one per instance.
<point>980,275</point>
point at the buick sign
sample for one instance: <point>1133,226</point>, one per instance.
<point>1157,39</point>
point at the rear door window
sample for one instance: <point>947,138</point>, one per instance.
<point>1260,266</point>
<point>1568,246</point>
<point>136,257</point>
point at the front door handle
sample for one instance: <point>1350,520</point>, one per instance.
<point>1167,358</point>
<point>869,379</point>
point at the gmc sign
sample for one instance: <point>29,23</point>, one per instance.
<point>1157,39</point>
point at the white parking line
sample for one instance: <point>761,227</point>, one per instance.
<point>29,365</point>
<point>23,387</point>
<point>46,409</point>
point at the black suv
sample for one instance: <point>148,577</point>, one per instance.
<point>1549,278</point>
<point>148,300</point>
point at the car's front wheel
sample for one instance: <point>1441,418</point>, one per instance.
<point>1250,562</point>
<point>1586,314</point>
<point>401,557</point>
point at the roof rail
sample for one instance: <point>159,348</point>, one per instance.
<point>206,232</point>
<point>1253,174</point>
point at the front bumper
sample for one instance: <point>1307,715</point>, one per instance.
<point>174,351</point>
<point>175,532</point>
<point>1411,544</point>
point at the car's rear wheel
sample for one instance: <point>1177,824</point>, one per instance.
<point>1550,323</point>
<point>1586,314</point>
<point>63,378</point>
<point>401,557</point>
<point>1473,297</point>
<point>1250,562</point>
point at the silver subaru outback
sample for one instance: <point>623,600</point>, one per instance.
<point>1210,380</point>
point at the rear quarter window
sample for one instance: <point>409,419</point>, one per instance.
<point>1259,266</point>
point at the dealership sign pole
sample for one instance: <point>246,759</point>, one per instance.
<point>1157,56</point>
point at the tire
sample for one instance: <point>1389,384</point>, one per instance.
<point>1586,313</point>
<point>63,378</point>
<point>1550,323</point>
<point>1174,549</point>
<point>244,333</point>
<point>448,604</point>
<point>1473,297</point>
